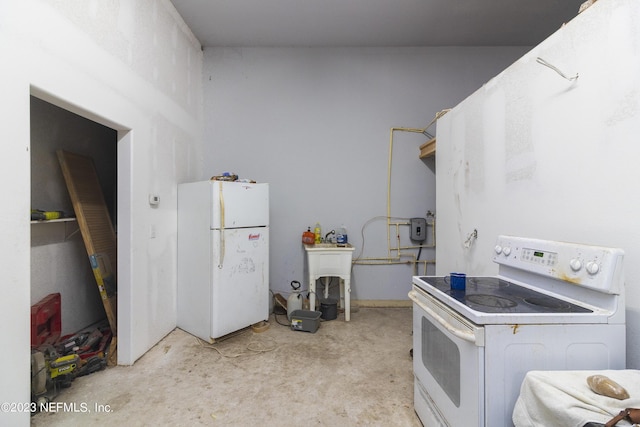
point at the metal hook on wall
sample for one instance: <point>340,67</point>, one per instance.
<point>554,68</point>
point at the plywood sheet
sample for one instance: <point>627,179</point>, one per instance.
<point>96,227</point>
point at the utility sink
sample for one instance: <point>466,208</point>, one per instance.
<point>330,260</point>
<point>329,246</point>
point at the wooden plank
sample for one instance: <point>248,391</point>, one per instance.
<point>96,228</point>
<point>428,148</point>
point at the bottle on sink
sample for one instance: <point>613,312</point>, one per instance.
<point>308,237</point>
<point>318,233</point>
<point>341,235</point>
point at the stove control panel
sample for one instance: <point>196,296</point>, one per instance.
<point>539,257</point>
<point>595,267</point>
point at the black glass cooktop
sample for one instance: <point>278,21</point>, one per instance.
<point>494,295</point>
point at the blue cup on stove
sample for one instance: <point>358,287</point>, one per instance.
<point>458,281</point>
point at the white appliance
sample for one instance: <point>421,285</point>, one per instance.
<point>552,306</point>
<point>223,257</point>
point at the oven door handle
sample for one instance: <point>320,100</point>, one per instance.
<point>462,334</point>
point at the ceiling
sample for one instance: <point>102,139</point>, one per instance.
<point>374,23</point>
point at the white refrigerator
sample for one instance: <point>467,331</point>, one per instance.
<point>223,257</point>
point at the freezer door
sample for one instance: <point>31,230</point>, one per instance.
<point>238,204</point>
<point>240,285</point>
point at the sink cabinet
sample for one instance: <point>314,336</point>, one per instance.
<point>330,260</point>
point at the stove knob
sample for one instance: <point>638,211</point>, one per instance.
<point>506,251</point>
<point>575,264</point>
<point>498,249</point>
<point>592,267</point>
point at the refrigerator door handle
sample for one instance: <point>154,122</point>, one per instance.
<point>221,261</point>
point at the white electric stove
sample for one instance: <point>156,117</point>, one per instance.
<point>552,306</point>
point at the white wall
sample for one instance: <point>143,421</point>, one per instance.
<point>135,67</point>
<point>533,154</point>
<point>315,124</point>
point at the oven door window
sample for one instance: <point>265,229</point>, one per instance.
<point>448,363</point>
<point>441,357</point>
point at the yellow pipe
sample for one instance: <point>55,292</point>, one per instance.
<point>413,130</point>
<point>387,262</point>
<point>356,261</point>
<point>415,247</point>
<point>396,260</point>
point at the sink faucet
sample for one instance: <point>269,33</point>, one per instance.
<point>326,236</point>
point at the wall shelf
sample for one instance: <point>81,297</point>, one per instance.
<point>67,235</point>
<point>48,221</point>
<point>428,149</point>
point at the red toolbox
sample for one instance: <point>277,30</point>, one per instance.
<point>46,321</point>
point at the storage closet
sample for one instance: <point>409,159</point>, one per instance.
<point>59,262</point>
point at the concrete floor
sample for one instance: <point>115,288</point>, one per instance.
<point>356,373</point>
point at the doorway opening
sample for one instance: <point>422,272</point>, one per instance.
<point>59,261</point>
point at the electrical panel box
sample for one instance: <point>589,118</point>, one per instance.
<point>418,229</point>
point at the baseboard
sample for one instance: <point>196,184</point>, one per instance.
<point>382,303</point>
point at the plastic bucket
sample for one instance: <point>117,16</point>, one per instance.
<point>329,308</point>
